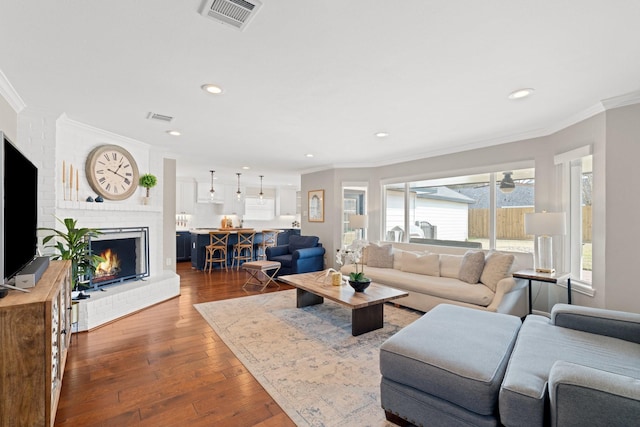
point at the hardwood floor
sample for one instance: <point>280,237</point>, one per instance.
<point>164,366</point>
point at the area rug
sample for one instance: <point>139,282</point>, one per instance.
<point>307,359</point>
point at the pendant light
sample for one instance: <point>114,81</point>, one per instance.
<point>261,200</point>
<point>212,191</point>
<point>238,193</point>
<point>261,193</point>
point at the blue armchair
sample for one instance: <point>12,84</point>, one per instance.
<point>303,254</point>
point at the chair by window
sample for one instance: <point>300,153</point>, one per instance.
<point>216,250</point>
<point>269,240</point>
<point>243,250</point>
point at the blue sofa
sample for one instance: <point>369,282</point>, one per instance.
<point>303,254</point>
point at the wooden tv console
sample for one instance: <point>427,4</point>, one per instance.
<point>35,332</point>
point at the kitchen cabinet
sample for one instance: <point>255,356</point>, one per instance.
<point>185,196</point>
<point>256,209</point>
<point>183,246</point>
<point>287,202</point>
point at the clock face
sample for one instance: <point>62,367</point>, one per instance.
<point>112,172</point>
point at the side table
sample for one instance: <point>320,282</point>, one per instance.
<point>257,268</point>
<point>531,275</point>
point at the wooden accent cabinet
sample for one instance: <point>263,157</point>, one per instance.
<point>35,332</point>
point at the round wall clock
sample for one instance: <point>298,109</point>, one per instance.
<point>112,172</point>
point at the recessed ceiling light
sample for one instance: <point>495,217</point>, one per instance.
<point>246,168</point>
<point>173,133</point>
<point>382,134</point>
<point>521,93</point>
<point>210,88</point>
<point>308,155</point>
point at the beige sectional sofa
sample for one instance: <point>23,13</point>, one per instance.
<point>433,274</point>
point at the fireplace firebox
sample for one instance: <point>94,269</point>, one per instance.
<point>125,252</point>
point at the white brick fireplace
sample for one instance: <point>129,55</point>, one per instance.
<point>54,140</point>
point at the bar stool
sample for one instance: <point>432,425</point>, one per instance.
<point>269,239</point>
<point>243,250</point>
<point>218,242</point>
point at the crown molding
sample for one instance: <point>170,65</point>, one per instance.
<point>100,133</point>
<point>604,105</point>
<point>622,100</point>
<point>10,94</point>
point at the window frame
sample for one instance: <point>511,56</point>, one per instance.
<point>570,164</point>
<point>406,183</point>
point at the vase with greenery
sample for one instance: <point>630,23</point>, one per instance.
<point>352,254</point>
<point>73,244</point>
<point>148,181</point>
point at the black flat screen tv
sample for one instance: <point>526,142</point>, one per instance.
<point>19,193</point>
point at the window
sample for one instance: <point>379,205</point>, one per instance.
<point>581,178</point>
<point>577,167</point>
<point>354,199</point>
<point>484,210</point>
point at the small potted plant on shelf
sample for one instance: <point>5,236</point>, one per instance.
<point>352,254</point>
<point>148,181</point>
<point>73,244</point>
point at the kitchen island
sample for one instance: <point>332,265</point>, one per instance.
<point>200,239</point>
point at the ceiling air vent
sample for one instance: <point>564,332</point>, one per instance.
<point>161,117</point>
<point>237,13</point>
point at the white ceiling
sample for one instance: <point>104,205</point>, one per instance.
<point>320,77</point>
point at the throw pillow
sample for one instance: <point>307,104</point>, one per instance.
<point>424,263</point>
<point>380,255</point>
<point>471,266</point>
<point>397,258</point>
<point>496,267</point>
<point>450,265</point>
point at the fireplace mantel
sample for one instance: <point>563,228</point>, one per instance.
<point>107,206</point>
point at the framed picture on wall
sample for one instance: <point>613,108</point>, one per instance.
<point>316,206</point>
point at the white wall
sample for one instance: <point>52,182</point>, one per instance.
<point>614,136</point>
<point>622,208</point>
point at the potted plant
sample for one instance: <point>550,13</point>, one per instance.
<point>352,254</point>
<point>148,181</point>
<point>73,244</point>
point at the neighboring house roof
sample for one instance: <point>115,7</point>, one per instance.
<point>443,193</point>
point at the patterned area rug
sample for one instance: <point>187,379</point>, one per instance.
<point>307,359</point>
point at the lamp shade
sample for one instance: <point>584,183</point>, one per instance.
<point>359,221</point>
<point>545,223</point>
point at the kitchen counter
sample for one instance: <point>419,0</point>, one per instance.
<point>200,239</point>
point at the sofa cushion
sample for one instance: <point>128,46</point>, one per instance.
<point>380,255</point>
<point>471,266</point>
<point>301,242</point>
<point>496,267</point>
<point>524,394</point>
<point>450,265</point>
<point>425,263</point>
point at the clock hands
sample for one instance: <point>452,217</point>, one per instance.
<point>116,172</point>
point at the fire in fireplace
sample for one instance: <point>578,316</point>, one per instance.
<point>125,252</point>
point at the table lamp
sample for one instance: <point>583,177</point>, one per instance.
<point>359,222</point>
<point>545,225</point>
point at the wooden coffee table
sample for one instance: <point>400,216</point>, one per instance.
<point>366,307</point>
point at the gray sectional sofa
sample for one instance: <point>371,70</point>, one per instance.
<point>456,366</point>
